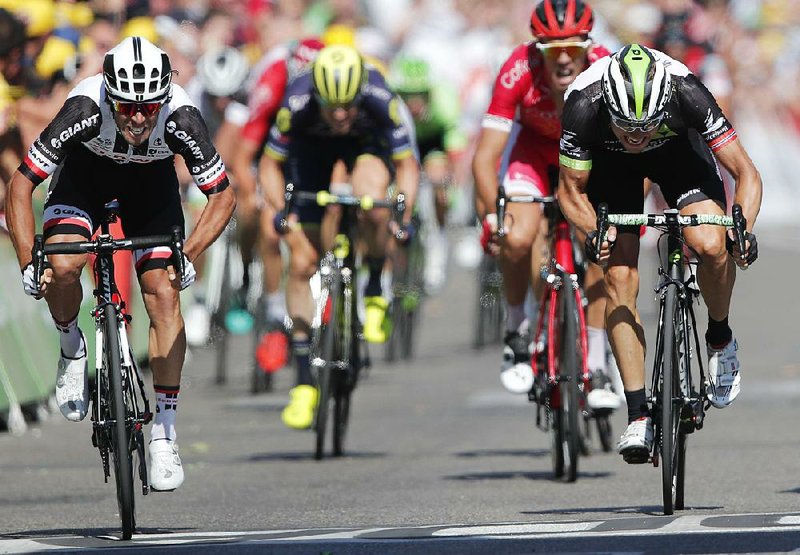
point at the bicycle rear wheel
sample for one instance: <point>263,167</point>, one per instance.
<point>569,378</point>
<point>120,432</point>
<point>669,421</point>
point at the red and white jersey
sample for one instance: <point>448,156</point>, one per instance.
<point>265,99</point>
<point>521,93</point>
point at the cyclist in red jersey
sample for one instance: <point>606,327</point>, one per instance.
<point>255,216</point>
<point>529,91</point>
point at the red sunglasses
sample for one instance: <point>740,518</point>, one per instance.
<point>130,109</point>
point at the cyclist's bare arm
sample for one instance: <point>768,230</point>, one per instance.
<point>213,219</point>
<point>574,201</point>
<point>241,162</point>
<point>491,143</point>
<point>19,216</point>
<point>271,177</point>
<point>407,181</point>
<point>748,188</point>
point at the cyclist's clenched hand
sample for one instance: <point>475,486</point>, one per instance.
<point>601,255</point>
<point>403,233</point>
<point>189,274</point>
<point>750,247</point>
<point>489,235</point>
<point>36,290</point>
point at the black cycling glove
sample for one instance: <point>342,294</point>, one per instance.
<point>280,222</point>
<point>593,249</point>
<point>752,251</point>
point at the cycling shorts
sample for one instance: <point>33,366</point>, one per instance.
<point>684,169</point>
<point>529,165</point>
<point>148,195</point>
<point>311,162</point>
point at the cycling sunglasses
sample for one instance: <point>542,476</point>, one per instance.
<point>130,109</point>
<point>572,48</point>
<point>633,126</point>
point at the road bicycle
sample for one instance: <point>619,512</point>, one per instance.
<point>408,292</point>
<point>562,378</point>
<point>338,348</point>
<point>120,407</point>
<point>489,311</point>
<point>677,398</point>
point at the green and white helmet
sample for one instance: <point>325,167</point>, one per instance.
<point>636,88</point>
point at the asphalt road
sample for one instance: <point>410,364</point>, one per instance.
<point>440,459</point>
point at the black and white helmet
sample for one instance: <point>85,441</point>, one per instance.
<point>223,72</point>
<point>636,88</point>
<point>136,70</point>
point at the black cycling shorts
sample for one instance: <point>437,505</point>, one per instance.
<point>311,162</point>
<point>684,169</point>
<point>148,195</point>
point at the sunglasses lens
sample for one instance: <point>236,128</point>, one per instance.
<point>129,109</point>
<point>150,108</point>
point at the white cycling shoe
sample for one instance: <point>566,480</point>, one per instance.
<point>602,396</point>
<point>723,375</point>
<point>166,470</point>
<point>637,441</point>
<point>72,386</point>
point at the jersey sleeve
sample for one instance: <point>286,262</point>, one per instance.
<point>264,101</point>
<point>701,111</point>
<point>579,125</point>
<point>384,108</point>
<point>187,135</point>
<point>510,85</point>
<point>77,122</point>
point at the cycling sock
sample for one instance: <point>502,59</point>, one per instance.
<point>374,288</point>
<point>70,337</point>
<point>719,333</point>
<point>597,348</point>
<point>301,349</point>
<point>166,410</point>
<point>637,404</point>
<point>515,317</point>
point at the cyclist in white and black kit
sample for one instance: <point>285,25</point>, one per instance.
<point>116,136</point>
<point>640,114</point>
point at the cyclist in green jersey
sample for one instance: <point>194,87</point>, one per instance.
<point>441,143</point>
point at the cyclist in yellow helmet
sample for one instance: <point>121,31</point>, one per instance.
<point>341,110</point>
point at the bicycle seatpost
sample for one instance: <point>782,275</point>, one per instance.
<point>501,210</point>
<point>602,227</point>
<point>739,227</point>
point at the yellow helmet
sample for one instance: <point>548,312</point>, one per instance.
<point>338,74</point>
<point>142,26</point>
<point>339,34</point>
<point>78,15</point>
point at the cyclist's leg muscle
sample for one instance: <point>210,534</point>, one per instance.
<point>167,336</point>
<point>371,177</point>
<point>304,247</point>
<point>624,327</point>
<point>522,225</point>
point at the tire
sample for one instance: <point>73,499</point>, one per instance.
<point>120,433</point>
<point>568,384</point>
<point>346,379</point>
<point>669,423</point>
<point>327,352</point>
<point>220,330</point>
<point>557,444</point>
<point>604,433</point>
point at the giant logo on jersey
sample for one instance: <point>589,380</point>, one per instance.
<point>172,128</point>
<point>56,142</point>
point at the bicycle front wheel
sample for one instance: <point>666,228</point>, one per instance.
<point>324,357</point>
<point>120,431</point>
<point>569,381</point>
<point>669,421</point>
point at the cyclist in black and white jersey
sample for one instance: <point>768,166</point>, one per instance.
<point>640,114</point>
<point>116,136</point>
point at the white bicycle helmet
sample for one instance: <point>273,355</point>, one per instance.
<point>136,70</point>
<point>636,88</point>
<point>223,72</point>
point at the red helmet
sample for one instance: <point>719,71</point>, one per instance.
<point>560,19</point>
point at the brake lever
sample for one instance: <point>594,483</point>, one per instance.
<point>177,251</point>
<point>602,228</point>
<point>399,211</point>
<point>500,207</point>
<point>739,229</point>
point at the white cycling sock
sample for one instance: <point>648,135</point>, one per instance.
<point>515,316</point>
<point>597,348</point>
<point>70,337</point>
<point>166,409</point>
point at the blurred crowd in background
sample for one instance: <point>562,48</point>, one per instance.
<point>746,51</point>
